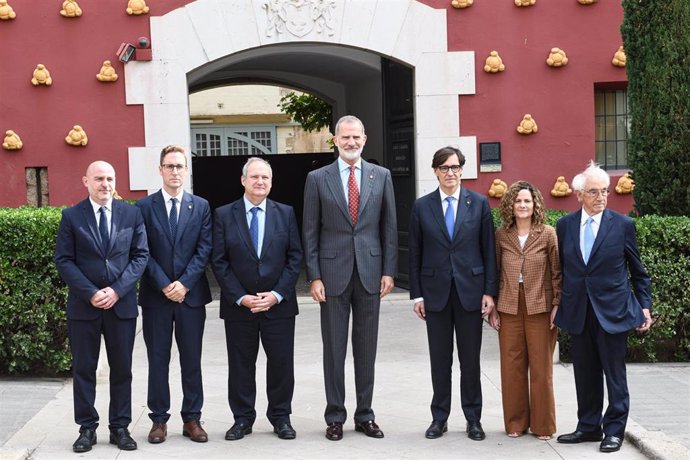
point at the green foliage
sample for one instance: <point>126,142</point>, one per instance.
<point>312,112</point>
<point>657,45</point>
<point>32,296</point>
<point>665,249</point>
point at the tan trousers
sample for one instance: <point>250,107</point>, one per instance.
<point>527,346</point>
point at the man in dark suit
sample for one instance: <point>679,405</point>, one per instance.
<point>350,239</point>
<point>453,282</point>
<point>256,259</point>
<point>174,292</point>
<point>100,253</point>
<point>600,261</point>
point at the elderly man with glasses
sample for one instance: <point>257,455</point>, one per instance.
<point>600,263</point>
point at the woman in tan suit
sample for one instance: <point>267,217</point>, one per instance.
<point>529,294</point>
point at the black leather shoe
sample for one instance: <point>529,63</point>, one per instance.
<point>475,431</point>
<point>122,439</point>
<point>86,439</point>
<point>285,431</point>
<point>369,428</point>
<point>436,430</point>
<point>576,437</point>
<point>237,431</point>
<point>334,431</point>
<point>610,444</point>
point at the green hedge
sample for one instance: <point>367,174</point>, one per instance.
<point>32,296</point>
<point>665,250</point>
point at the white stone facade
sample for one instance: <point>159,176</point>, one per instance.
<point>203,31</point>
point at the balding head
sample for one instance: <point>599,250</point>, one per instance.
<point>100,181</point>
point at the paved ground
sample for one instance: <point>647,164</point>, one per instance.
<point>36,419</point>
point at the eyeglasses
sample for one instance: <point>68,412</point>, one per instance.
<point>595,192</point>
<point>445,168</point>
<point>171,168</point>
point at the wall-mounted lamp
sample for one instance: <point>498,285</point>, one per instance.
<point>125,52</point>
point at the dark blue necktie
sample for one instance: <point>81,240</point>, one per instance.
<point>450,217</point>
<point>254,228</point>
<point>103,229</point>
<point>173,217</point>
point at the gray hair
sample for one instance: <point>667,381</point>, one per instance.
<point>593,171</point>
<point>251,160</point>
<point>348,119</point>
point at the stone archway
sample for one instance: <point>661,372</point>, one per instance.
<point>204,31</point>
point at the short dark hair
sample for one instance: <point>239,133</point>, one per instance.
<point>171,149</point>
<point>443,154</point>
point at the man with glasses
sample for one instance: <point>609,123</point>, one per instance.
<point>174,292</point>
<point>600,262</point>
<point>453,282</point>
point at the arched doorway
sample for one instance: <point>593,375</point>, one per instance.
<point>344,51</point>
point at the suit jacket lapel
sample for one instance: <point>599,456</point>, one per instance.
<point>366,185</point>
<point>269,226</point>
<point>90,218</point>
<point>336,186</point>
<point>531,238</point>
<point>115,224</point>
<point>184,213</point>
<point>604,227</point>
<point>463,208</point>
<point>240,215</point>
<point>437,212</point>
<point>161,213</point>
<point>575,233</point>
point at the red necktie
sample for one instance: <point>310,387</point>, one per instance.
<point>353,196</point>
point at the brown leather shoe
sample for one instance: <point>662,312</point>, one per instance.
<point>158,433</point>
<point>369,428</point>
<point>334,431</point>
<point>193,430</point>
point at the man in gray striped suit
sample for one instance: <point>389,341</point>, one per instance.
<point>350,244</point>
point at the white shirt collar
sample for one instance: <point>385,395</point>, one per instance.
<point>456,194</point>
<point>167,196</point>
<point>596,217</point>
<point>248,205</point>
<point>97,207</point>
<point>342,165</point>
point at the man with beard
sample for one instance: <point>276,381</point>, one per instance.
<point>350,244</point>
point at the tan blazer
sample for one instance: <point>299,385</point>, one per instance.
<point>540,267</point>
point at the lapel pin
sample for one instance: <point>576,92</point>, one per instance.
<point>371,176</point>
<point>189,207</point>
<point>468,202</point>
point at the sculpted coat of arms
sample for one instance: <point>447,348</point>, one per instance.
<point>299,17</point>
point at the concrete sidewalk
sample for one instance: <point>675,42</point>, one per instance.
<point>659,421</point>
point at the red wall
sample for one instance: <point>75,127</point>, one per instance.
<point>73,50</point>
<point>561,100</point>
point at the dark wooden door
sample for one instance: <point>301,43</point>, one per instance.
<point>398,122</point>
